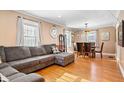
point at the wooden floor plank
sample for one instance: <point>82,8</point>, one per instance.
<point>86,69</point>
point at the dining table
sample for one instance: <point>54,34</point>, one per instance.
<point>86,48</point>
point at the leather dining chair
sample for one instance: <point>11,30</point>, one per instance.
<point>87,49</point>
<point>79,48</point>
<point>101,50</point>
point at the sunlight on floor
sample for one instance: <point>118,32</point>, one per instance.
<point>67,77</point>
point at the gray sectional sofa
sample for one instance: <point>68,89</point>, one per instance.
<point>9,74</point>
<point>30,59</point>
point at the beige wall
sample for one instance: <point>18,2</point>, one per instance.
<point>46,37</point>
<point>109,46</point>
<point>8,29</point>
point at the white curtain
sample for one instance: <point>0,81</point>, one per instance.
<point>39,34</point>
<point>97,38</point>
<point>69,38</point>
<point>20,32</point>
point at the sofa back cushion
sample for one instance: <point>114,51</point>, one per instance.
<point>48,48</point>
<point>37,51</point>
<point>26,52</point>
<point>16,53</point>
<point>2,54</point>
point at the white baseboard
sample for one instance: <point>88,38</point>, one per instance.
<point>121,69</point>
<point>118,62</point>
<point>109,54</point>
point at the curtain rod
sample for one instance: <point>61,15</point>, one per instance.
<point>29,19</point>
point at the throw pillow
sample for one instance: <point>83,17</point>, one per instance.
<point>55,50</point>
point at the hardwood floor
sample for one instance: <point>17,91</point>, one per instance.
<point>83,70</point>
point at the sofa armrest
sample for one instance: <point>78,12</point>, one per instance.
<point>3,78</point>
<point>33,77</point>
<point>3,65</point>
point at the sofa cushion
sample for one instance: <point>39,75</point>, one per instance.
<point>16,53</point>
<point>3,78</point>
<point>24,63</point>
<point>48,48</point>
<point>37,51</point>
<point>43,49</point>
<point>2,54</point>
<point>30,62</point>
<point>46,58</point>
<point>8,71</point>
<point>33,77</point>
<point>26,52</point>
<point>14,76</point>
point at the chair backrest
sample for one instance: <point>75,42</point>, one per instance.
<point>87,47</point>
<point>102,46</point>
<point>79,47</point>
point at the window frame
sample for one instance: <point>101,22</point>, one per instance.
<point>33,27</point>
<point>95,37</point>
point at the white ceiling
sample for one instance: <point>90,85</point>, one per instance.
<point>77,18</point>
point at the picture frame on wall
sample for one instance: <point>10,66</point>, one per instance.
<point>121,34</point>
<point>105,36</point>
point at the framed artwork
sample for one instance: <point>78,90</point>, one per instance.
<point>105,36</point>
<point>121,34</point>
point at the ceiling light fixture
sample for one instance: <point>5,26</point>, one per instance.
<point>86,28</point>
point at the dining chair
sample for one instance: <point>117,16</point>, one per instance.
<point>93,49</point>
<point>87,49</point>
<point>101,50</point>
<point>79,48</point>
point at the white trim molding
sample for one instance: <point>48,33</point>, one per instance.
<point>121,69</point>
<point>37,17</point>
<point>109,54</point>
<point>118,60</point>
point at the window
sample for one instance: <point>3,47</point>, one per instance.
<point>31,33</point>
<point>91,36</point>
<point>69,39</point>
